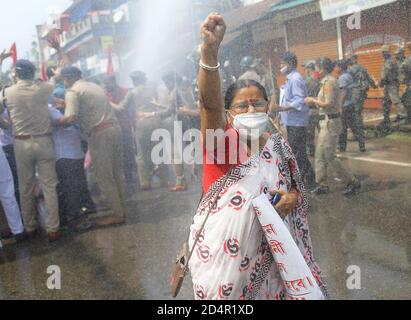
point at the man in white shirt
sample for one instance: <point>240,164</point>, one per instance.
<point>8,199</point>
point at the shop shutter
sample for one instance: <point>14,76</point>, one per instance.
<point>311,38</point>
<point>384,24</point>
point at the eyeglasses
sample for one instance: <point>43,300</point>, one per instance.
<point>243,107</point>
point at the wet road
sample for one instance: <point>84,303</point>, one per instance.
<point>370,230</point>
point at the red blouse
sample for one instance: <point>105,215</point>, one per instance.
<point>217,162</point>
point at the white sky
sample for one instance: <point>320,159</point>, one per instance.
<point>18,19</point>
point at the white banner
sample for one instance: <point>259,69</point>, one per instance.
<point>297,277</point>
<point>331,9</point>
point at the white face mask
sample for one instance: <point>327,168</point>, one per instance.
<point>252,124</point>
<point>284,70</point>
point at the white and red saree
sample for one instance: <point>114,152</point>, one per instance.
<point>233,259</point>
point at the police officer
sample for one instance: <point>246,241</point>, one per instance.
<point>391,84</point>
<point>139,101</point>
<point>350,117</point>
<point>313,87</point>
<point>405,78</point>
<point>330,129</point>
<point>362,83</point>
<point>86,103</point>
<point>27,103</point>
<point>248,70</point>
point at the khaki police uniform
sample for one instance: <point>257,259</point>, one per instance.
<point>174,101</point>
<point>405,78</point>
<point>139,100</point>
<point>362,83</point>
<point>313,87</point>
<point>27,103</point>
<point>330,130</point>
<point>88,102</point>
<point>391,84</point>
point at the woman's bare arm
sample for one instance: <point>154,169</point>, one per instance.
<point>209,83</point>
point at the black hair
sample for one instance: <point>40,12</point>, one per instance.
<point>26,74</point>
<point>342,64</point>
<point>290,58</point>
<point>138,77</point>
<point>50,72</point>
<point>235,87</point>
<point>350,62</point>
<point>326,64</point>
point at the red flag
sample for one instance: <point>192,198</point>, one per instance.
<point>43,72</point>
<point>110,67</point>
<point>13,52</point>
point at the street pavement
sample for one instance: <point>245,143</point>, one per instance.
<point>369,231</point>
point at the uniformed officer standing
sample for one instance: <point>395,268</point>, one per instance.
<point>330,129</point>
<point>87,103</point>
<point>362,83</point>
<point>391,84</point>
<point>350,118</point>
<point>313,87</point>
<point>139,101</point>
<point>405,78</point>
<point>27,103</point>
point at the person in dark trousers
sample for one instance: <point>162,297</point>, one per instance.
<point>296,118</point>
<point>313,87</point>
<point>350,116</point>
<point>72,184</point>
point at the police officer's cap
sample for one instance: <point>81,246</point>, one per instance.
<point>310,64</point>
<point>25,69</point>
<point>385,48</point>
<point>71,73</point>
<point>399,51</point>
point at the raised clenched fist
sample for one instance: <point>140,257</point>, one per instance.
<point>212,31</point>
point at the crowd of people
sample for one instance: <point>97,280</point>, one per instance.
<point>60,134</point>
<point>231,247</point>
<point>330,94</point>
<point>63,136</point>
